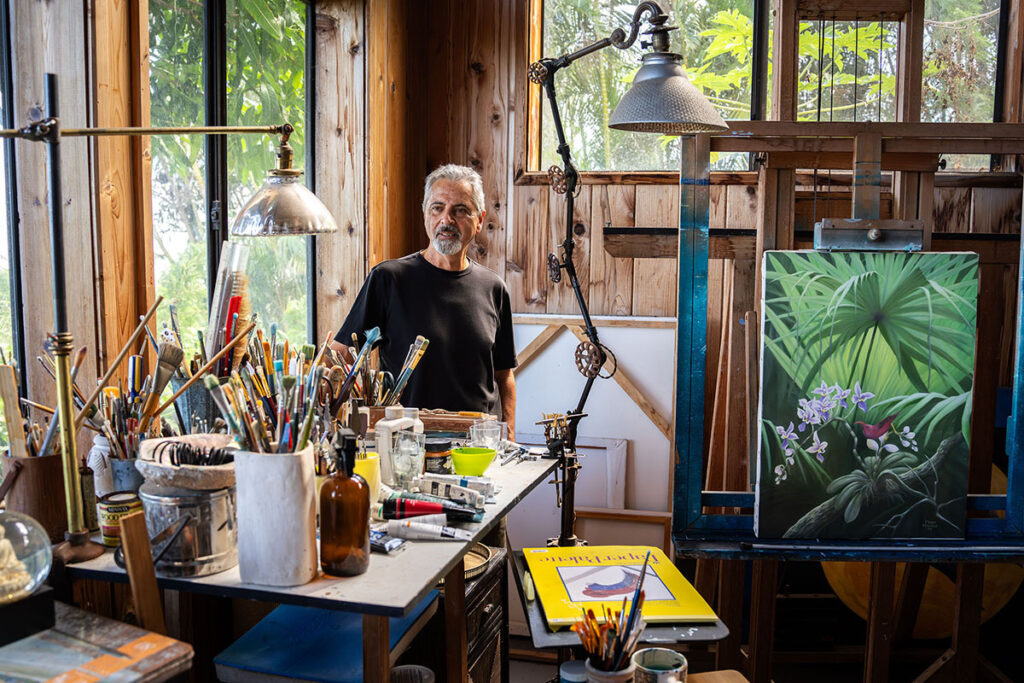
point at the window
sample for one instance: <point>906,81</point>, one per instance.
<point>961,42</point>
<point>847,71</point>
<point>263,77</point>
<point>11,349</point>
<point>716,42</point>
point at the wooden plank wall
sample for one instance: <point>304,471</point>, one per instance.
<point>340,121</point>
<point>53,37</point>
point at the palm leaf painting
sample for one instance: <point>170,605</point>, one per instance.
<point>866,386</point>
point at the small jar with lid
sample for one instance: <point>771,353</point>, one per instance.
<point>438,458</point>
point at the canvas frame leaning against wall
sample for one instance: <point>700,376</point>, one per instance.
<point>867,369</point>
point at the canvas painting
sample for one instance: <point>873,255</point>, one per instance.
<point>867,368</point>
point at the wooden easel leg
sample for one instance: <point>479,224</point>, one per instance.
<point>730,611</point>
<point>376,649</point>
<point>762,620</point>
<point>970,582</point>
<point>455,625</point>
<point>908,601</point>
<point>880,622</point>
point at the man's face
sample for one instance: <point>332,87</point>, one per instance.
<point>451,218</point>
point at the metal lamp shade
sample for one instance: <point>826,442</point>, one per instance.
<point>283,206</point>
<point>663,100</point>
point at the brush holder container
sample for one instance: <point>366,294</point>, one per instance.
<point>276,517</point>
<point>595,675</point>
<point>37,490</point>
<point>124,474</point>
<point>195,404</point>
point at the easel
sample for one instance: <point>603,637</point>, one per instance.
<point>730,536</point>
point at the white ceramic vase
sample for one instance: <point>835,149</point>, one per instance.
<point>276,518</point>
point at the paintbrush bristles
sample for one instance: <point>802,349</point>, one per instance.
<point>169,358</point>
<point>240,288</point>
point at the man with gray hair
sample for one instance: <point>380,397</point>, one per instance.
<point>462,307</point>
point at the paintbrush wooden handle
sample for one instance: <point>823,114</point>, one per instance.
<point>206,368</point>
<point>117,361</point>
<point>12,415</point>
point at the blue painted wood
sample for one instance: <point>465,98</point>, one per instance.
<point>1015,426</point>
<point>728,499</point>
<point>736,548</point>
<point>691,331</point>
<point>986,501</point>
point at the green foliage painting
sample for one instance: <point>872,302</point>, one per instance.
<point>867,373</point>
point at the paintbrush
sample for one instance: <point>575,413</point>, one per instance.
<point>117,361</point>
<point>418,349</point>
<point>372,337</point>
<point>51,429</point>
<point>217,392</point>
<point>240,337</point>
<point>169,359</point>
<point>307,425</point>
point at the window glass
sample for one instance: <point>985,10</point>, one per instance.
<point>961,41</point>
<point>178,161</point>
<point>715,38</point>
<point>847,71</point>
<point>266,52</point>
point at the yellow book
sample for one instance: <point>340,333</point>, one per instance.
<point>568,579</point>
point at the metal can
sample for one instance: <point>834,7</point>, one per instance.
<point>438,456</point>
<point>112,507</point>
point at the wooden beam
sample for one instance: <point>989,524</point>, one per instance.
<point>880,622</point>
<point>847,129</point>
<point>536,345</point>
<point>377,100</point>
<point>598,320</point>
<point>860,10</point>
<point>911,50</point>
<point>455,624</point>
<point>624,381</point>
<point>784,60</point>
<point>376,653</point>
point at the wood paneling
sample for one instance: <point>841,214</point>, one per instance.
<point>340,129</point>
<point>561,298</point>
<point>490,82</point>
<point>124,212</point>
<point>51,37</point>
<point>525,270</point>
<point>611,279</point>
<point>655,288</point>
<point>995,210</point>
<point>952,211</point>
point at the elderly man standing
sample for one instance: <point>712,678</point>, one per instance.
<point>463,308</point>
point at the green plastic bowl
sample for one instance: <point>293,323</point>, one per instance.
<point>471,462</point>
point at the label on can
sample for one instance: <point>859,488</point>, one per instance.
<point>438,463</point>
<point>112,507</point>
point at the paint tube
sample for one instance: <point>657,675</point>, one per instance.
<point>406,528</point>
<point>444,489</point>
<point>456,512</point>
<point>382,543</point>
<point>482,484</point>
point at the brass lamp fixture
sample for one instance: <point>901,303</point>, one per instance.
<point>661,99</point>
<point>283,205</point>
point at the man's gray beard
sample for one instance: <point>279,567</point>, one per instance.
<point>447,246</point>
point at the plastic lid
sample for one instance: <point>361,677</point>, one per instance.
<point>573,671</point>
<point>392,412</point>
<point>438,445</point>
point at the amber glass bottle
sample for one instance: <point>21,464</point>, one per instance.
<point>345,514</point>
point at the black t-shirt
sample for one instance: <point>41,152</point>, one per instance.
<point>466,315</point>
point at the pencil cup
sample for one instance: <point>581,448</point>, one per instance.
<point>659,665</point>
<point>595,675</point>
<point>276,517</point>
<point>124,475</point>
<point>37,490</point>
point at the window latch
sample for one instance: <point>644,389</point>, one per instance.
<point>215,214</point>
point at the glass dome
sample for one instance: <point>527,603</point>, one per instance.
<point>25,556</point>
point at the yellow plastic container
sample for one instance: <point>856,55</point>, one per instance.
<point>471,461</point>
<point>369,469</point>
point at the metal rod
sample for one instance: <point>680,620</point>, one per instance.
<point>63,345</point>
<point>154,130</point>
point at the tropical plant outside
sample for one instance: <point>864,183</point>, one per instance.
<point>866,394</point>
<point>265,86</point>
<point>846,72</point>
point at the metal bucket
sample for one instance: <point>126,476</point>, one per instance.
<point>209,543</point>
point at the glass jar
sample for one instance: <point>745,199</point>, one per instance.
<point>438,459</point>
<point>25,556</point>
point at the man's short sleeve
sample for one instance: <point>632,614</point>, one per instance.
<point>504,342</point>
<point>367,311</point>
